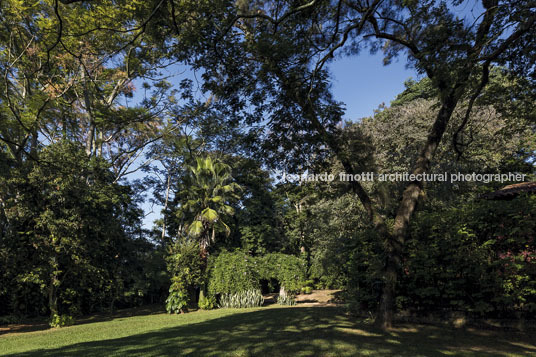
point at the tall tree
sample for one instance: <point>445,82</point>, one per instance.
<point>272,56</point>
<point>209,192</point>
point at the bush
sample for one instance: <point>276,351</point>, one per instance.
<point>61,320</point>
<point>185,264</point>
<point>232,273</point>
<point>286,300</point>
<point>178,297</point>
<point>248,298</point>
<point>237,277</point>
<point>363,267</point>
<point>498,280</point>
<point>206,303</point>
<point>307,290</point>
<point>9,319</point>
<point>289,270</point>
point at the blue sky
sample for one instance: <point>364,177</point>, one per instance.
<point>363,83</point>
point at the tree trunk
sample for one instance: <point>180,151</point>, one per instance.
<point>282,291</point>
<point>90,140</point>
<point>52,294</point>
<point>99,142</point>
<point>165,208</point>
<point>394,243</point>
<point>112,301</point>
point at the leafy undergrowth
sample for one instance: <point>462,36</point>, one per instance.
<point>265,331</point>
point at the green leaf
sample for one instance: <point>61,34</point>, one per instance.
<point>196,228</point>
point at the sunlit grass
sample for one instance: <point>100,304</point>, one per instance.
<point>266,331</point>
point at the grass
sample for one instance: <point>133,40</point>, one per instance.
<point>266,331</point>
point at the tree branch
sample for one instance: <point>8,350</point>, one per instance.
<point>483,82</point>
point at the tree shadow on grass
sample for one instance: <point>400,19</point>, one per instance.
<point>32,326</point>
<point>298,331</point>
<point>42,323</point>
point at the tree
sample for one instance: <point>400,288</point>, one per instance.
<point>209,192</point>
<point>287,46</point>
<point>70,231</point>
<point>496,141</point>
<point>69,73</point>
<point>258,225</point>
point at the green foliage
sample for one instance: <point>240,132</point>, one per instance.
<point>335,238</point>
<point>209,190</point>
<point>288,300</point>
<point>61,320</point>
<point>259,227</point>
<point>307,290</point>
<point>476,257</point>
<point>308,287</point>
<point>415,90</point>
<point>242,299</point>
<point>177,300</point>
<point>206,302</point>
<point>187,270</point>
<point>9,319</point>
<point>185,263</point>
<point>497,280</point>
<point>232,273</point>
<point>289,270</point>
<point>73,242</point>
<point>364,264</point>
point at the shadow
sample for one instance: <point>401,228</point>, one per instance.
<point>133,311</point>
<point>305,331</point>
<point>270,299</point>
<point>306,301</point>
<point>24,327</point>
<point>41,323</point>
<point>337,297</point>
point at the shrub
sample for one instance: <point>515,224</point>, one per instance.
<point>289,270</point>
<point>206,303</point>
<point>9,319</point>
<point>186,268</point>
<point>61,320</point>
<point>233,272</point>
<point>178,297</point>
<point>307,290</point>
<point>248,298</point>
<point>185,264</point>
<point>286,300</point>
<point>237,276</point>
<point>363,268</point>
<point>498,279</point>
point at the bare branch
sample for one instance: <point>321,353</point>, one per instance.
<point>270,19</point>
<point>522,29</point>
<point>483,83</point>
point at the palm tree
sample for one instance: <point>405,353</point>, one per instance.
<point>210,189</point>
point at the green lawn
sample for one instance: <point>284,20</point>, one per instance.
<point>267,331</point>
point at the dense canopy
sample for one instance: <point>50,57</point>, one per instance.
<point>195,110</point>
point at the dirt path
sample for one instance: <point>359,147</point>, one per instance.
<point>318,298</point>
